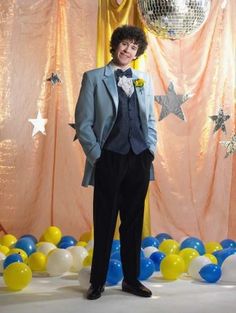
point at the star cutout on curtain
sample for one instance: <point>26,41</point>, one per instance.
<point>39,124</point>
<point>171,103</point>
<point>54,79</point>
<point>230,145</point>
<point>73,126</point>
<point>220,120</point>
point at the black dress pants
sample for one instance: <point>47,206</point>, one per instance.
<point>121,183</point>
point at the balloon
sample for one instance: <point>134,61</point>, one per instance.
<point>37,262</point>
<point>211,273</point>
<point>172,266</point>
<point>212,246</point>
<point>19,251</point>
<point>211,257</point>
<point>58,262</point>
<point>45,247</point>
<point>195,243</point>
<point>196,264</point>
<point>69,238</point>
<point>115,246</point>
<point>4,249</point>
<point>157,257</point>
<point>114,273</point>
<point>2,258</point>
<point>169,246</point>
<point>229,269</point>
<point>33,238</point>
<point>26,244</point>
<point>150,241</point>
<point>88,260</point>
<point>188,254</point>
<point>116,256</point>
<point>163,236</point>
<point>78,255</point>
<point>81,243</point>
<point>149,250</point>
<point>8,240</point>
<point>52,234</point>
<point>90,245</point>
<point>17,276</point>
<point>86,236</point>
<point>228,243</point>
<point>147,268</point>
<point>221,255</point>
<point>12,258</point>
<point>84,277</point>
<point>67,241</point>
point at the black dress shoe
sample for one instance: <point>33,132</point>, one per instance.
<point>136,288</point>
<point>94,292</point>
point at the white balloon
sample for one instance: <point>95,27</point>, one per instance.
<point>46,247</point>
<point>78,254</point>
<point>149,250</point>
<point>84,277</point>
<point>195,266</point>
<point>90,245</point>
<point>58,262</point>
<point>2,258</point>
<point>229,269</point>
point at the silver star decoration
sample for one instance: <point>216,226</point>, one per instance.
<point>54,79</point>
<point>73,126</point>
<point>230,145</point>
<point>220,120</point>
<point>39,124</point>
<point>171,103</point>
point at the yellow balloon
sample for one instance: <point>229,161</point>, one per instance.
<point>212,246</point>
<point>188,254</point>
<point>8,240</point>
<point>4,249</point>
<point>52,234</point>
<point>17,276</point>
<point>81,243</point>
<point>37,262</point>
<point>172,266</point>
<point>169,246</point>
<point>86,237</point>
<point>88,260</point>
<point>21,252</point>
<point>211,257</point>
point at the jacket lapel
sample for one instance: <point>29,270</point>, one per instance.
<point>110,82</point>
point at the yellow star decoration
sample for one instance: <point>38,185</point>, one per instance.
<point>39,124</point>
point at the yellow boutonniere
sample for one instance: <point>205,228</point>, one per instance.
<point>139,82</point>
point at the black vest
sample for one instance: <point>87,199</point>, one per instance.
<point>127,131</point>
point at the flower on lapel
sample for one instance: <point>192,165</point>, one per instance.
<point>139,83</point>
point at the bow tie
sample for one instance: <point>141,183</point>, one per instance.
<point>127,73</point>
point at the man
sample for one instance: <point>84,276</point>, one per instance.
<point>115,125</point>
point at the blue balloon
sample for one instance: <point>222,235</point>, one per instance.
<point>150,241</point>
<point>116,256</point>
<point>65,244</point>
<point>142,255</point>
<point>114,273</point>
<point>69,239</point>
<point>147,268</point>
<point>27,245</point>
<point>115,246</point>
<point>228,243</point>
<point>30,237</point>
<point>12,258</point>
<point>221,255</point>
<point>211,273</point>
<point>195,243</point>
<point>163,236</point>
<point>157,257</point>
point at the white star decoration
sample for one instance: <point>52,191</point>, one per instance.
<point>171,103</point>
<point>39,124</point>
<point>230,145</point>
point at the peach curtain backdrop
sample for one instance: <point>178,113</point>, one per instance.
<point>40,177</point>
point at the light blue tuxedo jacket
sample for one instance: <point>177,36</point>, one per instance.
<point>96,112</point>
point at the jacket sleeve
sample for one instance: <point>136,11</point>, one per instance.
<point>84,120</point>
<point>152,132</point>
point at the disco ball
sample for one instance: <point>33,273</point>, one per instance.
<point>173,19</point>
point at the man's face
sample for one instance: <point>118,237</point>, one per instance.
<point>125,53</point>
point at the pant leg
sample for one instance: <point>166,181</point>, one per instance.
<point>109,171</point>
<point>132,198</point>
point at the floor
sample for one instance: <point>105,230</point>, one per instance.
<point>66,294</point>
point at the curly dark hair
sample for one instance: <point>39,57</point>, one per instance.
<point>129,32</point>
